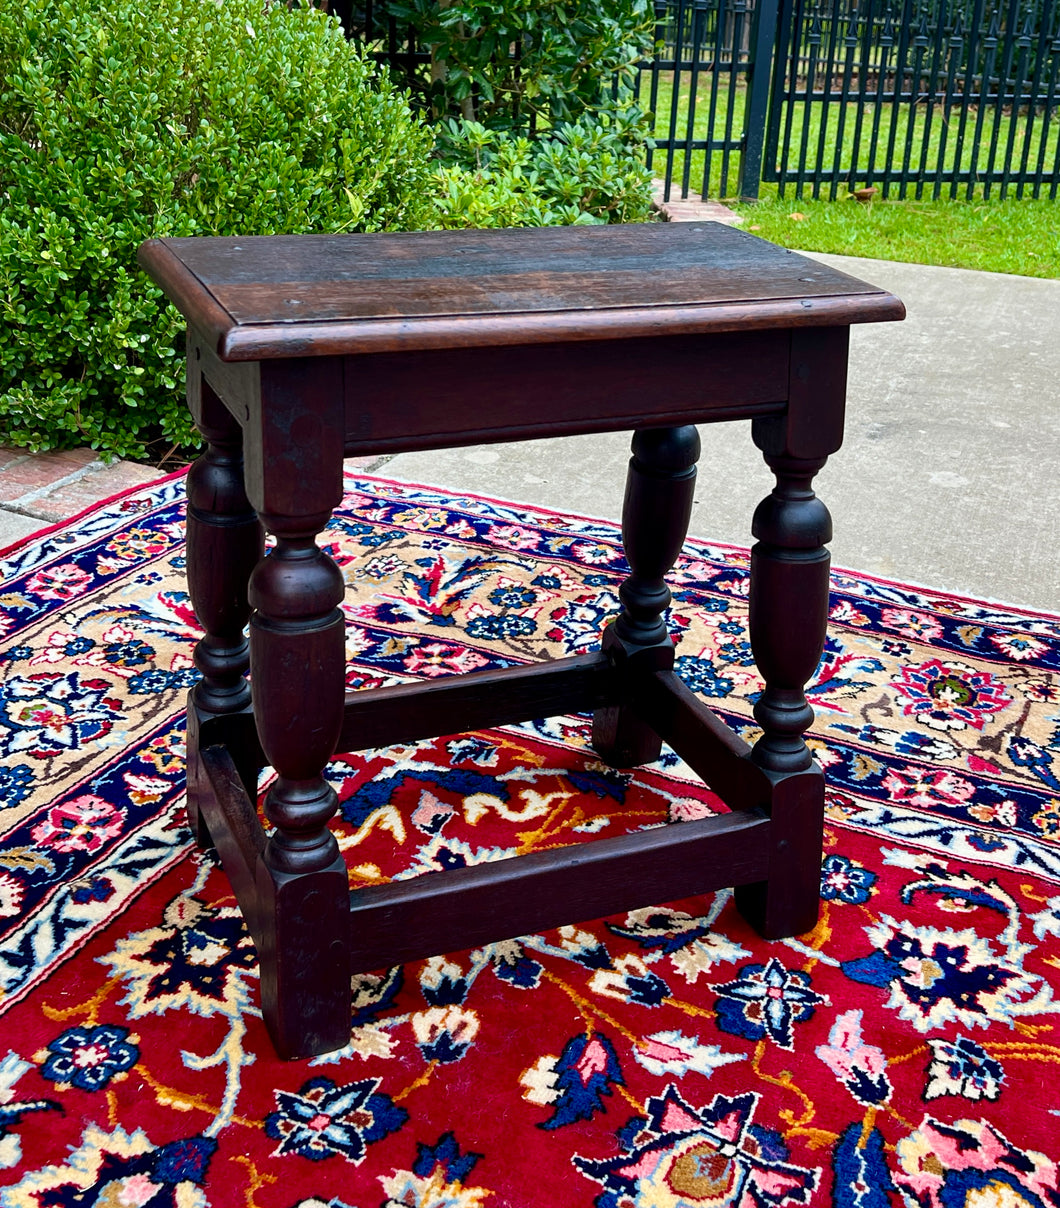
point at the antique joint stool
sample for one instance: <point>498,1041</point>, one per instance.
<point>303,349</point>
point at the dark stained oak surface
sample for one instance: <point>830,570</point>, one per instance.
<point>273,296</point>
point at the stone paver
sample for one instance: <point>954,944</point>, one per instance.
<point>23,474</point>
<point>100,482</point>
<point>692,209</point>
<point>37,490</point>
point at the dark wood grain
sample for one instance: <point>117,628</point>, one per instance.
<point>466,907</point>
<point>304,958</point>
<point>788,609</point>
<point>531,263</point>
<point>279,296</point>
<point>294,439</point>
<point>478,700</point>
<point>297,658</point>
<point>559,288</point>
<point>236,830</point>
<point>660,484</point>
<point>787,900</point>
<point>263,342</point>
<point>718,756</point>
<point>788,620</point>
<point>422,400</point>
<point>237,384</point>
<point>297,668</point>
<point>224,542</point>
<point>811,424</point>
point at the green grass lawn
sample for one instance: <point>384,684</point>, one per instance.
<point>1010,236</point>
<point>1007,236</point>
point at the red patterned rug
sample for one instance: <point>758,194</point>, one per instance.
<point>905,1053</point>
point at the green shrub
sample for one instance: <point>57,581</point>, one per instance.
<point>122,120</point>
<point>524,64</point>
<point>589,171</point>
<point>533,102</point>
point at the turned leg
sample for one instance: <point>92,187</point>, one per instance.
<point>224,544</point>
<point>297,650</point>
<point>658,502</point>
<point>788,618</point>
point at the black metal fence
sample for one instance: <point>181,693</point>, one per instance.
<point>916,96</point>
<point>388,40</point>
<point>911,97</point>
<point>695,86</point>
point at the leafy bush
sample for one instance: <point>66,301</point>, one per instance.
<point>120,121</point>
<point>524,64</point>
<point>591,170</point>
<point>534,110</point>
<point>214,117</point>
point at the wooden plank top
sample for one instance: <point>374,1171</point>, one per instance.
<point>261,297</point>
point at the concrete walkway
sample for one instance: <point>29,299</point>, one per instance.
<point>949,477</point>
<point>950,473</point>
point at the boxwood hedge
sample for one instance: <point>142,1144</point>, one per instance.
<point>121,120</point>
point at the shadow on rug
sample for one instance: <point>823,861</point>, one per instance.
<point>906,1052</point>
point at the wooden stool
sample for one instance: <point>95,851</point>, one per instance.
<point>303,349</point>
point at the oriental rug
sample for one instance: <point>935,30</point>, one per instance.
<point>906,1053</point>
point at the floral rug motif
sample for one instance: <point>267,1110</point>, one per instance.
<point>905,1054</point>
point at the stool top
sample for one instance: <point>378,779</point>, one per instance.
<point>263,297</point>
